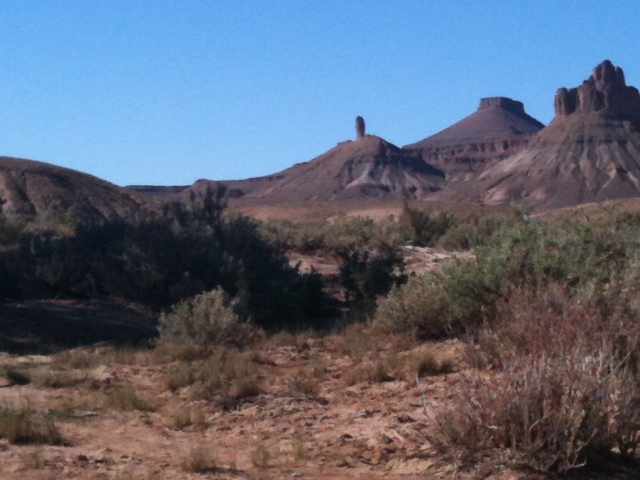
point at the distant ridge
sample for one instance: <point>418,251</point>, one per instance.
<point>498,155</point>
<point>498,129</point>
<point>48,194</point>
<point>369,167</point>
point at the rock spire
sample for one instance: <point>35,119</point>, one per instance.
<point>360,127</point>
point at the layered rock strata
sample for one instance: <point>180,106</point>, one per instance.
<point>590,152</point>
<point>497,130</point>
<point>369,167</point>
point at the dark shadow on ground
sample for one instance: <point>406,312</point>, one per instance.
<point>47,326</point>
<point>612,469</point>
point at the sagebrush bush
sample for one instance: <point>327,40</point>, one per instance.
<point>206,320</point>
<point>416,308</point>
<point>564,392</point>
<point>226,373</point>
<point>550,413</point>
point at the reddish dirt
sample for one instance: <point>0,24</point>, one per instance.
<point>362,431</point>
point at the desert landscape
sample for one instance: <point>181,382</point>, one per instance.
<point>462,307</point>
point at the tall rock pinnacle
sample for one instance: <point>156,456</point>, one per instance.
<point>605,91</point>
<point>360,127</point>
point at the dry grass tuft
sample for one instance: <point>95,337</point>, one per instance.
<point>426,362</point>
<point>225,373</point>
<point>189,417</point>
<point>126,398</point>
<point>262,456</point>
<point>21,425</point>
<point>383,369</point>
<point>200,459</point>
<point>305,382</point>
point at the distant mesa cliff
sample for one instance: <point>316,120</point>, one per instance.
<point>497,130</point>
<point>590,152</point>
<point>605,91</point>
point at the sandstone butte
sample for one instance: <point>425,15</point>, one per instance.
<point>497,130</point>
<point>590,152</point>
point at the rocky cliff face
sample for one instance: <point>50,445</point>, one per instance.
<point>497,130</point>
<point>605,91</point>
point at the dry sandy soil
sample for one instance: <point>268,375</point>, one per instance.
<point>325,210</point>
<point>320,413</point>
<point>315,417</point>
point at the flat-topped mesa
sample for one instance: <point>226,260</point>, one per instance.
<point>605,91</point>
<point>360,127</point>
<point>502,102</point>
<point>499,128</point>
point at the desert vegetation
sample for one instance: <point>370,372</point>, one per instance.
<point>523,356</point>
<point>161,260</point>
<point>550,309</point>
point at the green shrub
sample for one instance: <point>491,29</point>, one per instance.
<point>473,231</point>
<point>527,254</point>
<point>159,261</point>
<point>425,226</point>
<point>206,320</point>
<point>417,308</point>
<point>10,232</point>
<point>344,232</point>
<point>265,287</point>
<point>366,276</point>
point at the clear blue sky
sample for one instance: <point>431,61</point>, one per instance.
<point>168,91</point>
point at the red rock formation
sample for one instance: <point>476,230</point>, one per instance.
<point>498,129</point>
<point>589,153</point>
<point>360,127</point>
<point>369,167</point>
<point>605,91</point>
